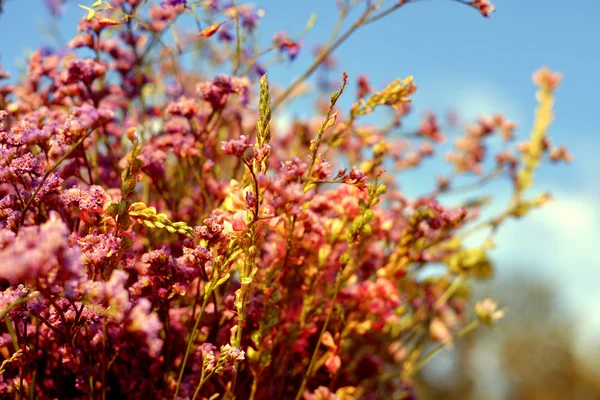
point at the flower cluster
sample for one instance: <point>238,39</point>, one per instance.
<point>161,237</point>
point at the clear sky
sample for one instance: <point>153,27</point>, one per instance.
<point>476,65</point>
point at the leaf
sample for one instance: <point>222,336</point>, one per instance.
<point>331,121</point>
<point>223,279</point>
<point>97,4</point>
<point>91,12</point>
<point>311,22</point>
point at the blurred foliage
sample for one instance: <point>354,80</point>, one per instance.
<point>530,355</point>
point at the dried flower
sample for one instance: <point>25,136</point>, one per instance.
<point>487,312</point>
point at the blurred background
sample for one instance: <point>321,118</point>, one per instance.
<point>548,265</point>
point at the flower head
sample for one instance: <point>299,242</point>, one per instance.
<point>487,312</point>
<point>485,7</point>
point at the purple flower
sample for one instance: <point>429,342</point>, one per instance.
<point>249,18</point>
<point>112,294</point>
<point>217,91</point>
<point>236,147</point>
<point>174,3</point>
<point>96,248</point>
<point>229,356</point>
<point>52,184</point>
<point>55,6</point>
<point>11,294</point>
<point>83,70</point>
<point>91,198</point>
<point>146,322</point>
<point>24,164</point>
<point>81,119</point>
<point>212,231</point>
<point>191,262</point>
<point>185,107</point>
<point>287,46</point>
<point>208,356</point>
<point>41,255</point>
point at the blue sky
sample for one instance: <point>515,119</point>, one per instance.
<point>476,65</point>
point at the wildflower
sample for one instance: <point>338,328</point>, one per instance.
<point>174,3</point>
<point>546,79</point>
<point>82,40</point>
<point>97,248</point>
<point>81,120</point>
<point>236,147</point>
<point>209,359</point>
<point>394,95</point>
<point>487,312</point>
<point>212,231</point>
<point>238,223</point>
<point>89,200</point>
<point>83,70</point>
<point>321,393</point>
<point>250,17</point>
<point>112,294</point>
<point>286,46</point>
<point>146,322</point>
<point>333,363</point>
<point>439,331</point>
<point>363,87</point>
<point>259,252</point>
<point>191,263</point>
<point>485,7</point>
<point>561,153</point>
<point>473,261</point>
<point>185,107</point>
<point>229,356</point>
<point>430,129</point>
<point>218,91</point>
<point>41,255</point>
<point>55,6</point>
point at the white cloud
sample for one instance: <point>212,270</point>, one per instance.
<point>473,98</point>
<point>561,238</point>
<point>485,98</point>
<point>561,242</point>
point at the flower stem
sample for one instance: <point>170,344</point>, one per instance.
<point>47,174</point>
<point>202,380</point>
<point>189,345</point>
<point>419,365</point>
<point>313,359</point>
<point>362,21</point>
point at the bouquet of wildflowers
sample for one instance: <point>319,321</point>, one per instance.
<point>162,238</point>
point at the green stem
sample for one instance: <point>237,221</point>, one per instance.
<point>190,341</point>
<point>362,21</point>
<point>254,387</point>
<point>313,359</point>
<point>13,335</point>
<point>202,380</point>
<point>15,303</point>
<point>238,42</point>
<point>419,365</point>
<point>449,291</point>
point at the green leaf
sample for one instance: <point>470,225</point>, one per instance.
<point>311,22</point>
